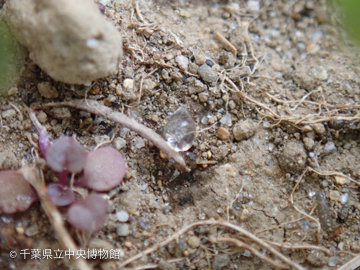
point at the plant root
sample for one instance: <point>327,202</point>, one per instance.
<point>95,107</point>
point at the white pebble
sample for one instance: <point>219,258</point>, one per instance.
<point>129,84</point>
<point>253,5</point>
<point>122,216</point>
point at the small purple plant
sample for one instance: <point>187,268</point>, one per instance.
<point>103,170</point>
<point>100,170</point>
<point>88,215</point>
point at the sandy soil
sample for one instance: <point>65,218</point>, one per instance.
<point>276,107</point>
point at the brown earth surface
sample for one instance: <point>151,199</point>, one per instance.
<point>274,90</point>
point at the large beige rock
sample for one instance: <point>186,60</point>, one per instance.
<point>70,40</point>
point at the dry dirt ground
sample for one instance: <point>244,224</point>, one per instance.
<point>274,90</point>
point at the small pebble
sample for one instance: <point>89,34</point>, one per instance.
<point>193,242</point>
<point>8,113</point>
<point>207,74</point>
<point>253,5</point>
<point>223,133</point>
<point>344,198</point>
<point>61,113</point>
<point>122,216</point>
<point>334,195</point>
<point>119,143</point>
<point>183,62</point>
<point>220,261</point>
<point>319,73</point>
<point>47,90</point>
<point>139,142</point>
<point>244,129</point>
<point>340,180</point>
<point>319,128</point>
<point>333,261</point>
<point>329,148</point>
<point>203,97</point>
<point>244,215</point>
<point>13,91</point>
<point>42,117</point>
<point>129,84</point>
<point>20,230</point>
<point>32,230</point>
<point>200,59</point>
<point>306,128</point>
<point>122,229</point>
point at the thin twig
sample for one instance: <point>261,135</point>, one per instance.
<point>138,13</point>
<point>252,250</point>
<point>35,178</point>
<point>212,222</point>
<point>227,45</point>
<point>95,107</point>
<point>294,246</point>
<point>299,210</point>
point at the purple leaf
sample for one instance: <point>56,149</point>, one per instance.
<point>104,169</point>
<point>66,153</point>
<point>16,194</point>
<point>60,195</point>
<point>88,215</point>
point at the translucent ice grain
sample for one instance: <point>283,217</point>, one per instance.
<point>180,131</point>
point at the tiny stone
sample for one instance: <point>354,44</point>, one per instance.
<point>244,215</point>
<point>232,104</point>
<point>344,198</point>
<point>308,143</point>
<point>200,59</point>
<point>333,261</point>
<point>347,146</point>
<point>203,97</point>
<point>306,128</point>
<point>324,183</point>
<point>129,84</point>
<point>340,180</point>
<point>139,142</point>
<point>244,129</point>
<point>183,62</point>
<point>8,113</point>
<point>42,117</point>
<point>319,73</point>
<point>118,89</point>
<point>193,242</point>
<point>334,195</point>
<point>122,229</point>
<point>209,63</point>
<point>329,148</point>
<point>253,5</point>
<point>122,216</point>
<point>223,133</point>
<point>32,230</point>
<point>13,91</point>
<point>227,59</point>
<point>226,120</point>
<point>220,261</point>
<point>193,68</point>
<point>20,230</point>
<point>164,265</point>
<point>319,128</point>
<point>61,113</point>
<point>119,143</point>
<point>47,90</point>
<point>207,74</point>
